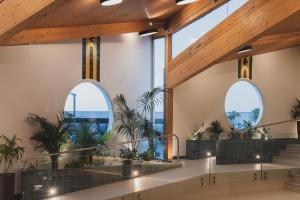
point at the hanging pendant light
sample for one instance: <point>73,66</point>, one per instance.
<point>148,32</point>
<point>183,2</point>
<point>110,2</point>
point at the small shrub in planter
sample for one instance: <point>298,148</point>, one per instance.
<point>10,151</point>
<point>215,130</point>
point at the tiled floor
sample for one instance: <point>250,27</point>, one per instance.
<point>189,170</point>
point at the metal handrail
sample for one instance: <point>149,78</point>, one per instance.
<point>104,147</point>
<point>266,125</point>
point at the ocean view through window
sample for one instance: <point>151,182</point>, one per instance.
<point>243,105</point>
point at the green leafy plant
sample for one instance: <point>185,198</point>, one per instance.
<point>86,137</point>
<point>215,130</point>
<point>147,155</point>
<point>248,129</point>
<point>136,123</point>
<point>199,133</point>
<point>130,154</point>
<point>50,137</point>
<point>265,133</point>
<point>10,151</point>
<point>295,112</point>
<point>254,114</point>
<point>232,116</point>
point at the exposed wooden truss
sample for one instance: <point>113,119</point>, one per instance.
<point>44,35</point>
<point>245,26</point>
<point>14,12</point>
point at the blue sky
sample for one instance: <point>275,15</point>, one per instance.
<point>88,98</point>
<point>242,97</point>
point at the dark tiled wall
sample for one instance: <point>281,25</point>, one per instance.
<point>71,180</point>
<point>237,151</point>
<point>242,152</point>
<point>198,149</point>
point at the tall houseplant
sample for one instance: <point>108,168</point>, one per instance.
<point>10,151</point>
<point>295,113</point>
<point>135,123</point>
<point>51,137</point>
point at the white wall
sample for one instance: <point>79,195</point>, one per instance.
<point>38,78</point>
<point>202,98</point>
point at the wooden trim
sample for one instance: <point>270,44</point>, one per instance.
<point>242,27</point>
<point>168,101</point>
<point>45,35</point>
<point>192,12</point>
<point>14,12</point>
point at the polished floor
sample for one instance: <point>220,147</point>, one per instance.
<point>189,170</point>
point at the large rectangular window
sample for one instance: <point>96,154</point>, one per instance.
<point>159,58</point>
<point>159,79</point>
<point>191,33</point>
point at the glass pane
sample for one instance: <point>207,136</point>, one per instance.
<point>243,105</point>
<point>159,81</point>
<point>191,33</point>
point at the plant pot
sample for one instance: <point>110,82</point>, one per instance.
<point>7,186</point>
<point>126,168</point>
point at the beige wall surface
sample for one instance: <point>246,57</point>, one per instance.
<point>38,78</point>
<point>201,99</point>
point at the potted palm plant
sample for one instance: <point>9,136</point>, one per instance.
<point>295,113</point>
<point>135,123</point>
<point>10,151</point>
<point>50,137</point>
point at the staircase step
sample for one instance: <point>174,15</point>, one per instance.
<point>290,155</point>
<point>290,161</point>
<point>293,148</point>
<point>295,178</point>
<point>293,187</point>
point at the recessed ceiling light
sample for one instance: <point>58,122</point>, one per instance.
<point>110,2</point>
<point>245,49</point>
<point>148,32</point>
<point>182,2</point>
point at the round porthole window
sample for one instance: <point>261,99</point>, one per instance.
<point>90,108</point>
<point>243,104</point>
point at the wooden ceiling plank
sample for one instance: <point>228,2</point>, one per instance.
<point>243,27</point>
<point>14,12</point>
<point>46,35</point>
<point>192,12</point>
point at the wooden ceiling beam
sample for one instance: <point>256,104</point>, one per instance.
<point>14,12</point>
<point>243,27</point>
<point>46,35</point>
<point>192,12</point>
<point>270,43</point>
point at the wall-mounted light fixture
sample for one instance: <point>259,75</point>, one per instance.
<point>148,32</point>
<point>110,2</point>
<point>182,2</point>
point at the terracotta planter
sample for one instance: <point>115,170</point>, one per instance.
<point>7,186</point>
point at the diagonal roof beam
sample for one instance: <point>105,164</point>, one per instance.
<point>14,12</point>
<point>243,27</point>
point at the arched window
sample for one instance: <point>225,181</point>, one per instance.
<point>89,103</point>
<point>243,104</point>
